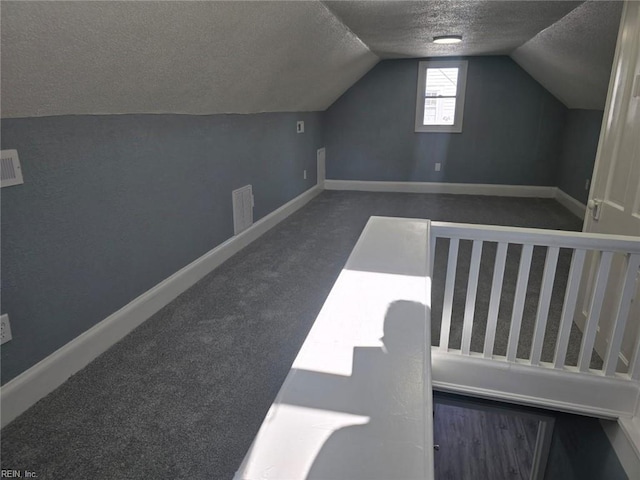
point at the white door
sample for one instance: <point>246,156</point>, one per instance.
<point>614,199</point>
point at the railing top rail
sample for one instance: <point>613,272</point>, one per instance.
<point>535,236</point>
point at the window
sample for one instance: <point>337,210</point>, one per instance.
<point>440,97</point>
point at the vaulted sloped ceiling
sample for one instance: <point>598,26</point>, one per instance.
<point>572,58</point>
<point>180,57</point>
<point>567,46</point>
<point>89,57</point>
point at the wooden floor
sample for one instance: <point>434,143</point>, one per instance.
<point>482,444</point>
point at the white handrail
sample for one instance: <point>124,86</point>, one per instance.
<point>580,243</point>
<point>535,236</point>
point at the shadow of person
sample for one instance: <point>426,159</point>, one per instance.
<point>389,385</point>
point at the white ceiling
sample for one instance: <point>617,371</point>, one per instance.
<point>88,57</point>
<point>395,29</point>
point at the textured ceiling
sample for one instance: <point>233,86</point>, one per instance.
<point>395,29</point>
<point>88,57</point>
<point>182,57</point>
<point>572,58</point>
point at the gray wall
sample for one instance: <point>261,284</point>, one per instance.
<point>580,450</point>
<point>511,134</point>
<point>112,205</point>
<point>579,146</point>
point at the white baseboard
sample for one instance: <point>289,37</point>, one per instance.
<point>624,436</point>
<point>26,389</point>
<point>454,188</point>
<point>573,205</point>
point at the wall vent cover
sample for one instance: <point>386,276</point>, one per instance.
<point>10,171</point>
<point>242,209</point>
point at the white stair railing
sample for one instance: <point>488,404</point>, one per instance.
<point>581,244</point>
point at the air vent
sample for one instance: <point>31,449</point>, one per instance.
<point>242,209</point>
<point>10,171</point>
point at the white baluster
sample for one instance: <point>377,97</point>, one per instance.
<point>544,301</point>
<point>494,302</point>
<point>472,289</point>
<point>634,366</point>
<point>518,303</point>
<point>569,307</point>
<point>432,252</point>
<point>452,262</point>
<point>622,314</point>
<point>590,328</point>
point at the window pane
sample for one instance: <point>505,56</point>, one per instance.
<point>441,82</point>
<point>439,111</point>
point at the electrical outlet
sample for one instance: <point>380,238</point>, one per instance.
<point>300,126</point>
<point>437,167</point>
<point>5,329</point>
<point>304,174</point>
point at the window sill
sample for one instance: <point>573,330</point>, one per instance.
<point>438,129</point>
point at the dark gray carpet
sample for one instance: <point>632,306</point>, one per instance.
<point>184,394</point>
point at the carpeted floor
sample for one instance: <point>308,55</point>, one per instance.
<point>184,394</point>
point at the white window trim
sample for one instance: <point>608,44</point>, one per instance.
<point>460,93</point>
